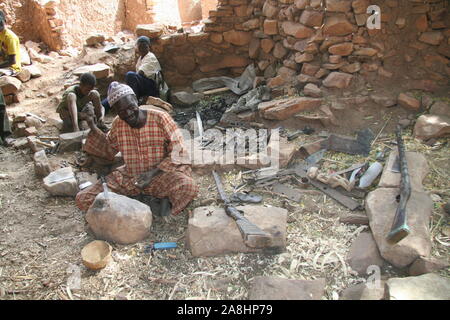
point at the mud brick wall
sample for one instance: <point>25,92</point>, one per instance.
<point>294,42</point>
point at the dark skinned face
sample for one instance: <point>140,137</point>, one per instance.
<point>143,48</point>
<point>128,110</point>
<point>2,26</point>
<point>85,89</point>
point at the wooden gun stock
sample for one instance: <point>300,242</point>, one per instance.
<point>252,235</point>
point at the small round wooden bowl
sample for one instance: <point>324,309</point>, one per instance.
<point>96,255</point>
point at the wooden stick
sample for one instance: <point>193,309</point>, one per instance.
<point>214,91</point>
<point>379,133</point>
<point>49,138</point>
<point>44,144</point>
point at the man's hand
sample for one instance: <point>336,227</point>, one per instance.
<point>89,118</point>
<point>146,178</point>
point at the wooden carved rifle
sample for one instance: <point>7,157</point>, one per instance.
<point>400,227</point>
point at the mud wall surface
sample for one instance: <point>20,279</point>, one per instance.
<point>82,18</point>
<point>63,23</point>
<point>151,11</point>
<point>138,12</point>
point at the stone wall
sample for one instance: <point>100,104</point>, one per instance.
<point>207,6</point>
<point>17,16</point>
<point>295,42</point>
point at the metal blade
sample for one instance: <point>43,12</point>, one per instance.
<point>396,165</point>
<point>220,187</point>
<point>199,124</point>
<point>315,157</point>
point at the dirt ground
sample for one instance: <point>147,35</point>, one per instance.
<point>42,236</point>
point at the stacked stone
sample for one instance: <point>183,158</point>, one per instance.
<point>221,49</point>
<point>313,41</point>
<point>55,26</point>
<point>310,42</point>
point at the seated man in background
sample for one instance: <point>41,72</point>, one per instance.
<point>79,100</point>
<point>10,61</point>
<point>153,151</point>
<point>144,81</point>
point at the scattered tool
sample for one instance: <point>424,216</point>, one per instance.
<point>29,114</point>
<point>105,187</point>
<point>253,236</point>
<point>400,229</point>
<point>160,246</point>
<point>361,145</point>
<point>315,157</point>
<point>301,171</point>
<point>351,169</point>
<point>246,197</point>
<point>396,165</point>
<point>289,192</point>
<point>199,124</point>
<point>307,130</point>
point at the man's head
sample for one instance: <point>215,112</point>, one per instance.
<point>2,21</point>
<point>122,99</point>
<point>143,45</point>
<point>87,83</point>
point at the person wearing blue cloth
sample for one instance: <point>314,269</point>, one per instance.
<point>144,80</point>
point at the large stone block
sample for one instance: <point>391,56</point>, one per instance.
<point>408,102</point>
<point>100,70</point>
<point>417,169</point>
<point>95,39</point>
<point>10,85</point>
<point>238,38</point>
<point>152,31</point>
<point>363,292</point>
<point>341,49</point>
<point>211,232</point>
<point>41,164</point>
<point>424,265</point>
<point>338,80</point>
<point>119,219</point>
<point>297,30</point>
<point>338,5</point>
<point>364,253</point>
<point>433,37</point>
<point>338,26</point>
<point>72,141</point>
<point>311,18</point>
<point>61,182</point>
<point>273,288</point>
<point>431,126</point>
<point>426,287</point>
<point>381,206</point>
<point>285,108</point>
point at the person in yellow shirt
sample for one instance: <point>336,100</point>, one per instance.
<point>10,63</point>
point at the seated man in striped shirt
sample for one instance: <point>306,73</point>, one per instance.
<point>153,151</point>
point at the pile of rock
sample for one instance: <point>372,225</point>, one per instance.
<point>302,42</point>
<point>413,253</point>
<point>25,126</point>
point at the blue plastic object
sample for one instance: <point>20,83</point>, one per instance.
<point>164,245</point>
